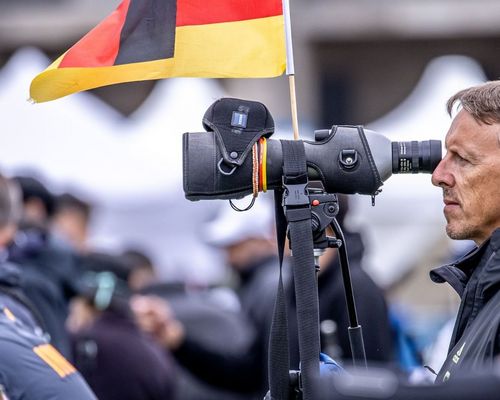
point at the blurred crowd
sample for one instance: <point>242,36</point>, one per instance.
<point>131,335</point>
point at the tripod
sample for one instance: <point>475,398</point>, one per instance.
<point>324,207</point>
<point>303,212</point>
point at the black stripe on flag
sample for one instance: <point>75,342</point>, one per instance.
<point>148,32</point>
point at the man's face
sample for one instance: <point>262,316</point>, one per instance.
<point>469,175</point>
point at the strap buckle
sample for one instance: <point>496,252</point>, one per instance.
<point>296,203</point>
<point>295,194</point>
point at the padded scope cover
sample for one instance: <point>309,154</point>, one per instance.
<point>238,124</point>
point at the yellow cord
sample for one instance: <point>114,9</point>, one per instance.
<point>264,162</point>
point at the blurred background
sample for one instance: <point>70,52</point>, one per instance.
<point>387,64</point>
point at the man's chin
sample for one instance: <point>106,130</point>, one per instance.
<point>458,233</point>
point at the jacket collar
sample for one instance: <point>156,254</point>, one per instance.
<point>490,278</point>
<point>458,273</point>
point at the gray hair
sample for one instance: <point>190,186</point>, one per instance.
<point>481,101</point>
<point>10,202</point>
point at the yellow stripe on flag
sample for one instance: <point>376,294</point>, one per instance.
<point>242,49</point>
<point>54,359</point>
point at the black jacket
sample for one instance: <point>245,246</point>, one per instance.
<point>48,280</point>
<point>244,371</point>
<point>13,298</point>
<point>247,372</point>
<point>476,336</point>
<point>120,362</point>
<point>31,368</point>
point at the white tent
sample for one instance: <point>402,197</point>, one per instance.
<point>81,139</point>
<point>407,221</point>
<point>130,167</point>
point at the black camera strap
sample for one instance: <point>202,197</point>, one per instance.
<point>296,211</point>
<point>279,359</point>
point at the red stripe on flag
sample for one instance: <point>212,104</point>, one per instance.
<point>200,12</point>
<point>100,46</point>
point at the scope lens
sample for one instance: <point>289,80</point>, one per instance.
<point>414,157</point>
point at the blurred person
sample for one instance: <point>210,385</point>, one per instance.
<point>31,368</point>
<point>141,271</point>
<point>70,220</point>
<point>117,359</point>
<point>371,306</point>
<point>49,266</point>
<point>38,201</point>
<point>209,315</point>
<point>248,240</point>
<point>469,175</point>
<point>248,243</point>
<point>10,279</point>
<point>245,255</point>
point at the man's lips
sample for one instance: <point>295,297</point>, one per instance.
<point>450,205</point>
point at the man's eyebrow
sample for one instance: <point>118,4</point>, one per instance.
<point>468,153</point>
<point>462,152</point>
<point>475,156</point>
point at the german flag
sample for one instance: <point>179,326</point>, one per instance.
<point>155,39</point>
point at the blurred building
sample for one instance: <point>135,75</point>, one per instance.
<point>355,59</point>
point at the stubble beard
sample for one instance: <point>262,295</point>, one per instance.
<point>456,234</point>
<point>455,228</point>
<point>460,231</point>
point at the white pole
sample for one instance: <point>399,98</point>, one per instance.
<point>290,68</point>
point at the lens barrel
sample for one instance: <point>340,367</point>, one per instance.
<point>414,157</point>
<point>375,159</point>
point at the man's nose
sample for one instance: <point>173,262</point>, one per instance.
<point>441,176</point>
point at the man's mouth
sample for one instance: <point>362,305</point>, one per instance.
<point>450,205</point>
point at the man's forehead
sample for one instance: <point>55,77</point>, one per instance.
<point>466,129</point>
<point>462,122</point>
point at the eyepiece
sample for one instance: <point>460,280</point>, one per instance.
<point>414,157</point>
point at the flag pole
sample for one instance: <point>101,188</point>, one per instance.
<point>290,68</point>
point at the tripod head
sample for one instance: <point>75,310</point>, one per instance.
<point>324,209</point>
